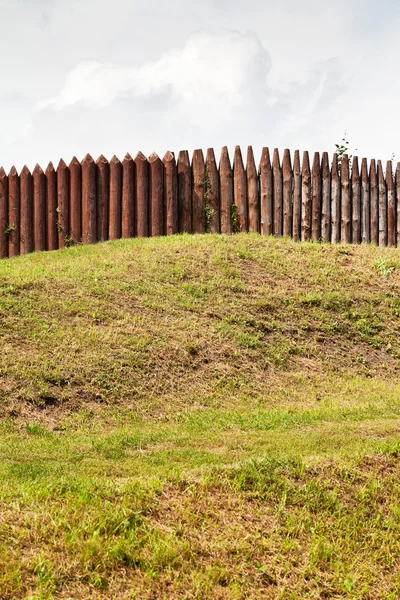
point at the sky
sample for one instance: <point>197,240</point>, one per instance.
<point>110,77</point>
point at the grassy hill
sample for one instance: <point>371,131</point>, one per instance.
<point>201,417</point>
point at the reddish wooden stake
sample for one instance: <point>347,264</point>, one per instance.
<point>382,220</point>
<point>305,198</point>
<point>266,193</point>
<point>51,208</point>
<point>142,195</point>
<point>335,201</point>
<point>278,193</point>
<point>398,203</point>
<point>326,199</point>
<point>14,213</point>
<point>240,191</point>
<point>198,191</point>
<point>102,197</point>
<point>128,197</point>
<point>316,200</point>
<point>184,192</point>
<point>296,197</point>
<point>356,202</point>
<point>170,194</point>
<point>213,191</point>
<point>346,200</point>
<point>287,175</point>
<point>75,200</point>
<point>89,229</point>
<point>26,240</point>
<point>39,209</point>
<point>365,203</point>
<point>115,200</point>
<point>62,203</point>
<point>374,201</point>
<point>226,187</point>
<point>391,205</point>
<point>252,192</point>
<point>156,192</point>
<point>4,225</point>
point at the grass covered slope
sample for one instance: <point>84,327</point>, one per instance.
<point>200,417</point>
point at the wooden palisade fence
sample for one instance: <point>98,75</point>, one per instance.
<point>89,201</point>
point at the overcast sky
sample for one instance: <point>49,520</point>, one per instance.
<point>120,76</point>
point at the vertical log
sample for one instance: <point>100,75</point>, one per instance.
<point>296,197</point>
<point>75,201</point>
<point>374,201</point>
<point>14,212</point>
<point>316,200</point>
<point>252,192</point>
<point>26,240</point>
<point>326,199</point>
<point>102,198</point>
<point>198,192</point>
<point>89,229</point>
<point>398,203</point>
<point>39,209</point>
<point>156,189</point>
<point>213,192</point>
<point>4,229</point>
<point>128,197</point>
<point>278,193</point>
<point>62,203</point>
<point>266,193</point>
<point>51,208</point>
<point>365,203</point>
<point>346,200</point>
<point>184,192</point>
<point>356,202</point>
<point>305,198</point>
<point>142,195</point>
<point>335,200</point>
<point>115,200</point>
<point>240,191</point>
<point>382,202</point>
<point>170,194</point>
<point>226,190</point>
<point>287,175</point>
<point>391,205</point>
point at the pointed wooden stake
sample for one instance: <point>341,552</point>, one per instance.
<point>278,194</point>
<point>128,197</point>
<point>4,225</point>
<point>184,192</point>
<point>75,200</point>
<point>346,200</point>
<point>198,191</point>
<point>305,198</point>
<point>39,209</point>
<point>156,192</point>
<point>326,199</point>
<point>89,212</point>
<point>226,190</point>
<point>14,203</point>
<point>62,203</point>
<point>391,205</point>
<point>365,204</point>
<point>142,195</point>
<point>382,202</point>
<point>374,201</point>
<point>170,194</point>
<point>287,176</point>
<point>213,191</point>
<point>51,208</point>
<point>296,197</point>
<point>103,198</point>
<point>252,192</point>
<point>356,202</point>
<point>335,201</point>
<point>240,191</point>
<point>316,201</point>
<point>26,240</point>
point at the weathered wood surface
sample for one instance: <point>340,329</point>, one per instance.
<point>103,198</point>
<point>278,193</point>
<point>4,230</point>
<point>128,197</point>
<point>252,191</point>
<point>226,190</point>
<point>335,201</point>
<point>75,208</point>
<point>296,197</point>
<point>326,199</point>
<point>266,193</point>
<point>89,230</point>
<point>170,194</point>
<point>374,202</point>
<point>26,204</point>
<point>365,204</point>
<point>213,195</point>
<point>62,204</point>
<point>156,181</point>
<point>198,192</point>
<point>287,179</point>
<point>316,195</point>
<point>391,205</point>
<point>51,208</point>
<point>382,203</point>
<point>398,203</point>
<point>184,192</point>
<point>356,202</point>
<point>240,191</point>
<point>39,209</point>
<point>114,222</point>
<point>346,200</point>
<point>14,212</point>
<point>305,198</point>
<point>142,195</point>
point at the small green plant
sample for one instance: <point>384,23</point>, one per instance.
<point>384,267</point>
<point>234,219</point>
<point>342,148</point>
<point>68,241</point>
<point>9,229</point>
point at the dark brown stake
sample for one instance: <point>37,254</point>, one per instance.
<point>198,191</point>
<point>39,209</point>
<point>62,203</point>
<point>142,195</point>
<point>398,203</point>
<point>184,192</point>
<point>115,213</point>
<point>14,213</point>
<point>316,201</point>
<point>296,197</point>
<point>89,230</point>
<point>287,176</point>
<point>103,197</point>
<point>374,200</point>
<point>51,208</point>
<point>213,192</point>
<point>382,202</point>
<point>391,205</point>
<point>4,226</point>
<point>346,200</point>
<point>365,203</point>
<point>75,200</point>
<point>252,192</point>
<point>170,194</point>
<point>226,190</point>
<point>305,198</point>
<point>156,169</point>
<point>128,197</point>
<point>326,199</point>
<point>266,193</point>
<point>240,191</point>
<point>278,193</point>
<point>356,202</point>
<point>335,201</point>
<point>26,186</point>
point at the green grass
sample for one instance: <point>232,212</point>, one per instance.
<point>204,417</point>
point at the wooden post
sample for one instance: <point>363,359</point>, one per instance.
<point>266,193</point>
<point>142,195</point>
<point>287,175</point>
<point>198,192</point>
<point>326,199</point>
<point>240,191</point>
<point>156,193</point>
<point>335,200</point>
<point>26,240</point>
<point>296,197</point>
<point>356,202</point>
<point>170,194</point>
<point>391,205</point>
<point>51,208</point>
<point>62,203</point>
<point>398,203</point>
<point>252,192</point>
<point>213,191</point>
<point>102,197</point>
<point>14,212</point>
<point>278,193</point>
<point>4,231</point>
<point>382,201</point>
<point>115,210</point>
<point>226,190</point>
<point>305,198</point>
<point>316,198</point>
<point>39,209</point>
<point>374,201</point>
<point>75,200</point>
<point>184,192</point>
<point>365,203</point>
<point>346,200</point>
<point>128,197</point>
<point>89,229</point>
